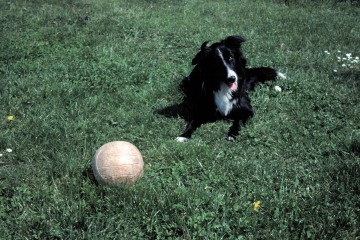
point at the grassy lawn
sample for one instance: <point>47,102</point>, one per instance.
<point>75,74</point>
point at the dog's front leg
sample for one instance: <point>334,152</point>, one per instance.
<point>190,128</point>
<point>234,130</point>
<point>241,116</point>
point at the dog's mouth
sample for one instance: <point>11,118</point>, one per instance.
<point>233,86</point>
<point>232,83</point>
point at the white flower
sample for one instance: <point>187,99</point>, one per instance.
<point>9,150</point>
<point>1,154</point>
<point>343,65</point>
<point>327,52</point>
<point>335,71</point>
<point>348,55</point>
<point>356,58</point>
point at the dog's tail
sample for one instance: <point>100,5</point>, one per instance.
<point>259,75</point>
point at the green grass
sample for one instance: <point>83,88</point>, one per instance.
<point>77,74</point>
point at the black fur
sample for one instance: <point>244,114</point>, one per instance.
<point>218,86</point>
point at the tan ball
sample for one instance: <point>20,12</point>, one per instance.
<point>117,163</point>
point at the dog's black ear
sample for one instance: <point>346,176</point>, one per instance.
<point>204,49</point>
<point>233,41</point>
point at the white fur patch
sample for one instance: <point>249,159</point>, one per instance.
<point>281,75</point>
<point>181,139</point>
<point>230,72</point>
<point>223,100</point>
<point>278,88</point>
<point>230,138</point>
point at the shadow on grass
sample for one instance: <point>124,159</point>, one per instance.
<point>354,146</point>
<point>351,79</point>
<point>89,175</point>
<point>176,110</point>
<point>184,111</point>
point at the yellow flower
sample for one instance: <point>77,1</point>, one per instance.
<point>256,205</point>
<point>10,118</point>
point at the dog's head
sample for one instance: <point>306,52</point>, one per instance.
<point>222,62</point>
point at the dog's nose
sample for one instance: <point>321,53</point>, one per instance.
<point>231,79</point>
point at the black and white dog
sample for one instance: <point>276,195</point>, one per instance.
<point>217,87</point>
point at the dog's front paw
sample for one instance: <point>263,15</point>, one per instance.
<point>182,139</point>
<point>281,75</point>
<point>230,138</point>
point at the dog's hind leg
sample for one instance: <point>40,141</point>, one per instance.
<point>259,75</point>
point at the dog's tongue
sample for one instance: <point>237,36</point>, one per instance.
<point>233,86</point>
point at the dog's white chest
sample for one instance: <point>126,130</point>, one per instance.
<point>223,100</point>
